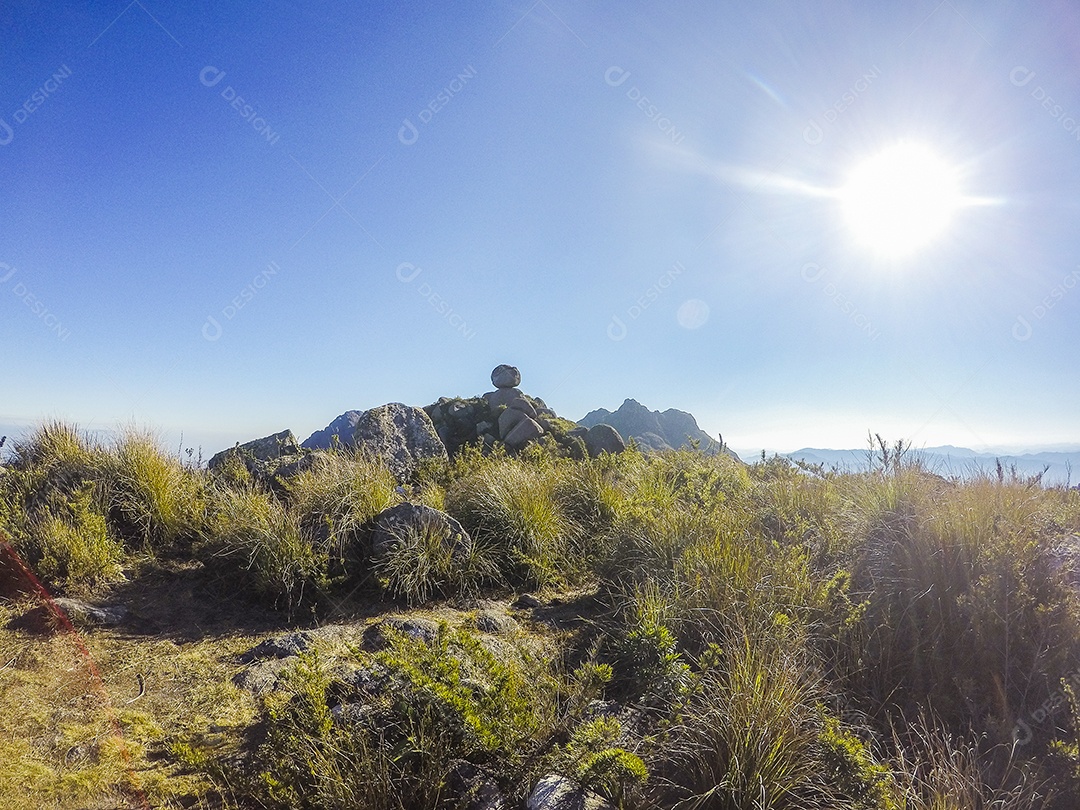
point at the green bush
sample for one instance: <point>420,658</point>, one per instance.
<point>75,549</point>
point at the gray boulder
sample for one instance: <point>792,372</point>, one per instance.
<point>523,405</point>
<point>505,376</point>
<point>83,614</point>
<point>400,436</point>
<point>525,431</point>
<point>278,454</point>
<point>555,792</point>
<point>341,428</point>
<point>392,524</point>
<point>504,396</point>
<point>603,439</point>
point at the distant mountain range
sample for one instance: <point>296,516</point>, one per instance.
<point>1062,467</point>
<point>653,430</point>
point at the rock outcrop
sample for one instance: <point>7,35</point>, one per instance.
<point>656,431</point>
<point>266,460</point>
<point>506,416</point>
<point>401,436</point>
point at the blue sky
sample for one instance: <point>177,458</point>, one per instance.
<point>227,219</point>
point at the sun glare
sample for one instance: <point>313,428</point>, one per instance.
<point>900,200</point>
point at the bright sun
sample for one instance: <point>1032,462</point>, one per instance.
<point>900,200</point>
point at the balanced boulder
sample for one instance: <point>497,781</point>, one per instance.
<point>505,376</point>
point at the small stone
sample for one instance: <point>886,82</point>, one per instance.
<point>263,677</point>
<point>527,602</point>
<point>281,646</point>
<point>555,792</point>
<point>498,624</point>
<point>86,615</point>
<point>505,376</point>
<point>423,630</point>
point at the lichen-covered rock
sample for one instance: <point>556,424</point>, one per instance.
<point>401,436</point>
<point>265,459</point>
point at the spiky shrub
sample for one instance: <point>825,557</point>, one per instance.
<point>749,737</point>
<point>154,499</point>
<point>425,561</point>
<point>963,615</point>
<point>254,532</point>
<point>594,758</point>
<point>510,506</point>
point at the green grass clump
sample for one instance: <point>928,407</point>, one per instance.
<point>256,532</point>
<point>335,498</point>
<point>511,506</point>
<point>76,549</point>
<point>154,500</point>
<point>425,561</point>
<point>750,733</point>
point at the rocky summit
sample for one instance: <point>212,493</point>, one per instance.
<point>656,431</point>
<point>404,437</point>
